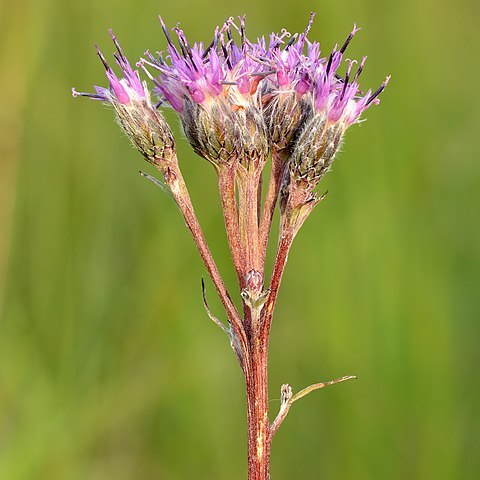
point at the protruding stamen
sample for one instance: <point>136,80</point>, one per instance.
<point>103,59</point>
<point>152,64</point>
<point>347,77</point>
<point>166,32</point>
<point>229,33</point>
<point>263,74</point>
<point>310,23</point>
<point>330,59</point>
<point>185,47</point>
<point>227,56</point>
<point>360,69</point>
<point>141,64</point>
<point>378,91</point>
<point>242,29</point>
<point>279,39</point>
<point>291,41</point>
<point>307,28</point>
<point>349,38</point>
<point>213,44</point>
<point>88,95</point>
<point>226,25</point>
<point>181,41</point>
<point>117,45</point>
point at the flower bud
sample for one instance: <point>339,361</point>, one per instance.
<point>327,106</point>
<point>284,115</point>
<point>148,131</point>
<point>223,132</point>
<point>254,294</point>
<point>315,150</point>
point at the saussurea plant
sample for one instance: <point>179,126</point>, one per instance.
<point>240,101</point>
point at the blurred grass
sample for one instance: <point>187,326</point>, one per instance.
<point>109,367</point>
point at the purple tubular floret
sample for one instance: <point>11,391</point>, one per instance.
<point>166,32</point>
<point>377,92</point>
<point>93,96</point>
<point>120,90</point>
<point>349,38</point>
<point>129,74</point>
<point>115,85</point>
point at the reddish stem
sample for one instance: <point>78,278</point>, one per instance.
<point>174,179</point>
<point>248,242</point>
<point>286,239</point>
<point>248,181</point>
<point>226,184</point>
<point>256,379</point>
<point>279,163</point>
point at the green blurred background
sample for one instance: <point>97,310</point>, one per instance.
<point>109,367</point>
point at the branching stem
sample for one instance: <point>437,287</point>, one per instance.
<point>285,242</point>
<point>226,185</point>
<point>288,399</point>
<point>174,179</point>
<point>248,237</point>
<point>279,163</point>
<point>247,182</point>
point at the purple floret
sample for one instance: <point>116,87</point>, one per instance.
<point>300,67</point>
<point>196,73</point>
<point>123,90</point>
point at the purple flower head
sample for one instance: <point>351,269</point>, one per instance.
<point>214,90</point>
<point>309,89</point>
<point>123,90</point>
<point>284,99</point>
<point>130,98</point>
<point>301,69</point>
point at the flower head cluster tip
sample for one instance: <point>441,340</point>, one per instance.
<point>238,99</point>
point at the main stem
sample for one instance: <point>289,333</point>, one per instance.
<point>252,333</point>
<point>254,230</point>
<point>256,380</point>
<point>260,432</point>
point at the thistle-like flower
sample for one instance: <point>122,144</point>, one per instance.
<point>286,105</point>
<point>143,124</point>
<point>337,104</point>
<point>309,107</point>
<point>322,103</point>
<point>214,90</point>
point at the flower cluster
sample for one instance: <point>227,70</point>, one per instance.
<point>239,99</point>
